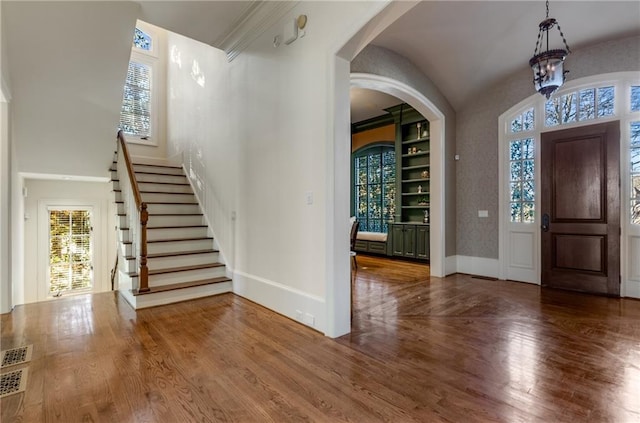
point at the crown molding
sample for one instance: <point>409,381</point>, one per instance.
<point>258,17</point>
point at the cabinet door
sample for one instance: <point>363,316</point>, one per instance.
<point>422,242</point>
<point>397,240</point>
<point>409,240</point>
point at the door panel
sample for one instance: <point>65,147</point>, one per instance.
<point>580,175</point>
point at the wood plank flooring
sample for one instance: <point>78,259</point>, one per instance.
<point>422,349</point>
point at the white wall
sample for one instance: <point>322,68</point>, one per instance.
<point>40,194</point>
<point>258,132</point>
<point>68,61</point>
<point>5,210</point>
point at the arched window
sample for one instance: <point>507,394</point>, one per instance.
<point>374,186</point>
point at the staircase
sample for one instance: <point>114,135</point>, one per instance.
<point>181,258</point>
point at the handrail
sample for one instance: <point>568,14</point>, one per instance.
<point>143,272</point>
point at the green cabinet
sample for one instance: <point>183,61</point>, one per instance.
<point>410,240</point>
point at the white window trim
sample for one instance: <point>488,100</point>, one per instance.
<point>630,234</point>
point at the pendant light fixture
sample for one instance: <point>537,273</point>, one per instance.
<point>548,65</point>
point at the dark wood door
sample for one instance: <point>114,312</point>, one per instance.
<point>580,209</point>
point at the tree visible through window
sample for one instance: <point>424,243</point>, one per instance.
<point>634,153</point>
<point>375,187</point>
<point>70,266</point>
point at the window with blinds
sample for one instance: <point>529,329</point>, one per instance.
<point>70,255</point>
<point>135,117</point>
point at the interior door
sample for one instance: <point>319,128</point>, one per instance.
<point>580,209</point>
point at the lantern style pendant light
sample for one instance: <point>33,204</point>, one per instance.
<point>547,66</point>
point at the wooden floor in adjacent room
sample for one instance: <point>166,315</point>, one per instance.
<point>422,349</point>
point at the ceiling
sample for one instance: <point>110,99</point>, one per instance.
<point>462,46</point>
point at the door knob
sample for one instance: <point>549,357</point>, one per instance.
<point>545,223</point>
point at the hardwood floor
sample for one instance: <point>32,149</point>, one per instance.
<point>422,349</point>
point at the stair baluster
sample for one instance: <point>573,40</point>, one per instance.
<point>137,214</point>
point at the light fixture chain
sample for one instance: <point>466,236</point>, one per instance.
<point>564,39</point>
<point>547,9</point>
<point>535,52</point>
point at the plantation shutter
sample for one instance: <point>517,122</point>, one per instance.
<point>135,117</point>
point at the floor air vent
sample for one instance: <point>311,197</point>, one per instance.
<point>16,356</point>
<point>13,382</point>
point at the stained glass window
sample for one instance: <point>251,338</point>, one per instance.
<point>374,187</point>
<point>142,40</point>
<point>522,180</point>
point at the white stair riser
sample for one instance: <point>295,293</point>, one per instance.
<point>115,185</point>
<point>126,249</point>
<point>169,297</point>
<point>150,186</point>
<point>149,197</point>
<point>157,169</point>
<point>124,235</point>
<point>186,276</point>
<point>173,208</point>
<point>180,261</point>
<point>179,246</point>
<point>152,177</point>
<point>130,266</point>
<point>176,220</point>
<point>175,233</point>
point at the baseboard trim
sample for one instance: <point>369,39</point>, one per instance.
<point>632,289</point>
<point>290,302</point>
<point>477,266</point>
<point>450,265</point>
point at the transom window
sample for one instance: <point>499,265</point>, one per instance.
<point>578,106</point>
<point>374,187</point>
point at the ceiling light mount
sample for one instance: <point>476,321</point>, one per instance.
<point>548,65</point>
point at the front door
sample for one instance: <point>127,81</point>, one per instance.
<point>580,209</point>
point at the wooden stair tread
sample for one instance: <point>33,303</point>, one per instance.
<point>176,227</point>
<point>165,192</point>
<point>201,238</point>
<point>182,175</point>
<point>175,214</point>
<point>164,183</point>
<point>157,165</point>
<point>180,269</point>
<point>183,285</point>
<point>182,253</point>
<point>170,202</point>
